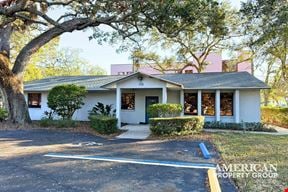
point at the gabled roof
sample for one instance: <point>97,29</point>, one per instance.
<point>139,74</point>
<point>215,80</point>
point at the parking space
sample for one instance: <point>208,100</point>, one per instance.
<point>23,166</point>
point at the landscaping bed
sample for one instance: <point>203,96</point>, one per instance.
<point>239,126</point>
<point>78,127</point>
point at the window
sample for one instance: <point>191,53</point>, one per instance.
<point>208,104</point>
<point>226,104</point>
<point>34,100</point>
<point>190,103</point>
<point>128,101</point>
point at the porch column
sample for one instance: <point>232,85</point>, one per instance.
<point>199,102</point>
<point>118,106</point>
<point>217,105</point>
<point>182,101</point>
<point>237,106</point>
<point>164,94</point>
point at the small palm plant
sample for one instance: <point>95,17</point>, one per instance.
<point>103,110</point>
<point>3,114</point>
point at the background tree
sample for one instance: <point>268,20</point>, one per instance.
<point>61,62</point>
<point>64,100</point>
<point>211,33</point>
<point>52,60</point>
<point>266,30</point>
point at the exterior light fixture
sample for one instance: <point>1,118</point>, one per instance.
<point>140,78</point>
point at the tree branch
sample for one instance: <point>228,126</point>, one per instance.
<point>42,39</point>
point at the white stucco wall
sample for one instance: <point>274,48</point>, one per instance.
<point>38,113</point>
<point>106,97</point>
<point>250,106</point>
<point>147,82</point>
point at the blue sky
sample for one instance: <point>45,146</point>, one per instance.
<point>102,55</point>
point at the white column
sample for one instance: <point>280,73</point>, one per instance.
<point>182,101</point>
<point>118,106</point>
<point>164,94</point>
<point>199,102</point>
<point>217,107</point>
<point>237,106</point>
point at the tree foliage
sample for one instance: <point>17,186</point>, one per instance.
<point>266,30</point>
<point>210,33</point>
<point>267,25</point>
<point>64,100</point>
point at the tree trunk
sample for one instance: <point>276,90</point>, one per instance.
<point>12,89</point>
<point>11,85</point>
<point>17,107</point>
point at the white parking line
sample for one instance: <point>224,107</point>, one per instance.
<point>137,161</point>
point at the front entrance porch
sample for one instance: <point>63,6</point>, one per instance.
<point>134,103</point>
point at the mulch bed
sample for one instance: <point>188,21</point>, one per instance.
<point>82,127</point>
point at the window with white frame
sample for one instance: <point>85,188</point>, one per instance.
<point>34,100</point>
<point>128,101</point>
<point>226,104</point>
<point>208,104</point>
<point>190,103</point>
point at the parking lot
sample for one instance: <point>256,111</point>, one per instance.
<point>23,166</point>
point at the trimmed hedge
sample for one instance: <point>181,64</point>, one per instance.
<point>103,124</point>
<point>275,116</point>
<point>238,126</point>
<point>176,125</point>
<point>164,110</point>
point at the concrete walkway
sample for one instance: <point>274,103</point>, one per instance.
<point>135,132</point>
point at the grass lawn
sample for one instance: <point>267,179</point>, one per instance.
<point>254,148</point>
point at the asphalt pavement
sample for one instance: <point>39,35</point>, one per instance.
<point>23,166</point>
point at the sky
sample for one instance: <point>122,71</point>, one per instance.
<point>101,55</point>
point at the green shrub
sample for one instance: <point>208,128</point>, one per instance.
<point>176,125</point>
<point>238,126</point>
<point>164,110</point>
<point>275,116</point>
<point>3,114</point>
<point>103,124</point>
<point>46,122</point>
<point>64,100</point>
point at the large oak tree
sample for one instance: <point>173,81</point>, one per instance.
<point>125,17</point>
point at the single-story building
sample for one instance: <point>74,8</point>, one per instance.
<point>225,97</point>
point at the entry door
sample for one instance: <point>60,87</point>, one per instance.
<point>150,100</point>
